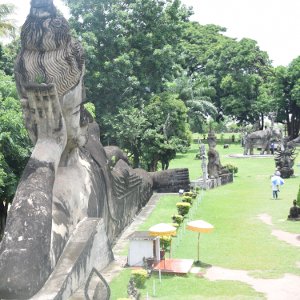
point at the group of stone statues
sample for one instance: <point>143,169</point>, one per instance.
<point>70,176</point>
<point>285,152</point>
<point>261,139</point>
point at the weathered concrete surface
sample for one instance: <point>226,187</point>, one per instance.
<point>170,181</point>
<point>81,254</point>
<point>24,250</point>
<point>213,182</point>
<point>117,265</point>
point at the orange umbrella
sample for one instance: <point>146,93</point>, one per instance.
<point>199,226</point>
<point>162,229</point>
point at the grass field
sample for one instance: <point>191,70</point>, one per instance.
<point>240,239</point>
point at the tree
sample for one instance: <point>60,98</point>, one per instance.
<point>126,129</point>
<point>8,54</point>
<point>6,25</point>
<point>287,92</point>
<point>153,134</point>
<point>168,131</point>
<point>15,146</point>
<point>197,93</point>
<point>132,49</point>
<point>235,69</point>
<point>240,70</point>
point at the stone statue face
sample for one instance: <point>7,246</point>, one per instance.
<point>50,55</point>
<point>71,108</point>
<point>42,8</point>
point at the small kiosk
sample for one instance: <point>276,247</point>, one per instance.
<point>142,245</point>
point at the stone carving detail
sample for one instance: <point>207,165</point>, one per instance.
<point>69,177</point>
<point>262,139</point>
<point>285,157</point>
<point>294,211</point>
<point>203,158</point>
<point>214,166</point>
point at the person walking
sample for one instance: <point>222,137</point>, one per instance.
<point>276,182</point>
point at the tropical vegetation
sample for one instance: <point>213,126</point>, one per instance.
<point>154,76</point>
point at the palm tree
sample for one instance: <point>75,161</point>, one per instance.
<point>7,27</point>
<point>197,93</point>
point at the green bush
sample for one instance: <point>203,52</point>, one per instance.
<point>189,194</point>
<point>187,199</point>
<point>183,208</point>
<point>231,168</point>
<point>139,277</point>
<point>165,242</point>
<point>178,219</point>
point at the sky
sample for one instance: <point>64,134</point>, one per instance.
<point>274,24</point>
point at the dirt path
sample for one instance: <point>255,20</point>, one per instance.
<point>285,288</point>
<point>290,238</point>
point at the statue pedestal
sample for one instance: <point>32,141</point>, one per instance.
<point>212,182</point>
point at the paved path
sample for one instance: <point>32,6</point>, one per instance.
<point>113,269</point>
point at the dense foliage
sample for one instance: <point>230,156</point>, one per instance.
<point>286,87</point>
<point>140,48</point>
<point>14,143</point>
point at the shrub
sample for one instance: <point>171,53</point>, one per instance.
<point>189,194</point>
<point>165,242</point>
<point>231,168</point>
<point>178,219</point>
<point>139,277</point>
<point>187,199</point>
<point>183,208</point>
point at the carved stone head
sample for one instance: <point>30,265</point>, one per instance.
<point>42,8</point>
<point>211,139</point>
<point>50,55</point>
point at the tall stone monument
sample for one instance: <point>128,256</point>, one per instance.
<point>214,166</point>
<point>72,201</point>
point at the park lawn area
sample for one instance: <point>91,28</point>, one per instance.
<point>240,239</point>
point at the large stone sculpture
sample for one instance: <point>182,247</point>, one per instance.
<point>294,212</point>
<point>214,166</point>
<point>285,157</point>
<point>69,177</point>
<point>261,139</point>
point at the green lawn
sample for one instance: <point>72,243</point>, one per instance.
<point>239,241</point>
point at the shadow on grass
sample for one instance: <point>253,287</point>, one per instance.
<point>202,264</point>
